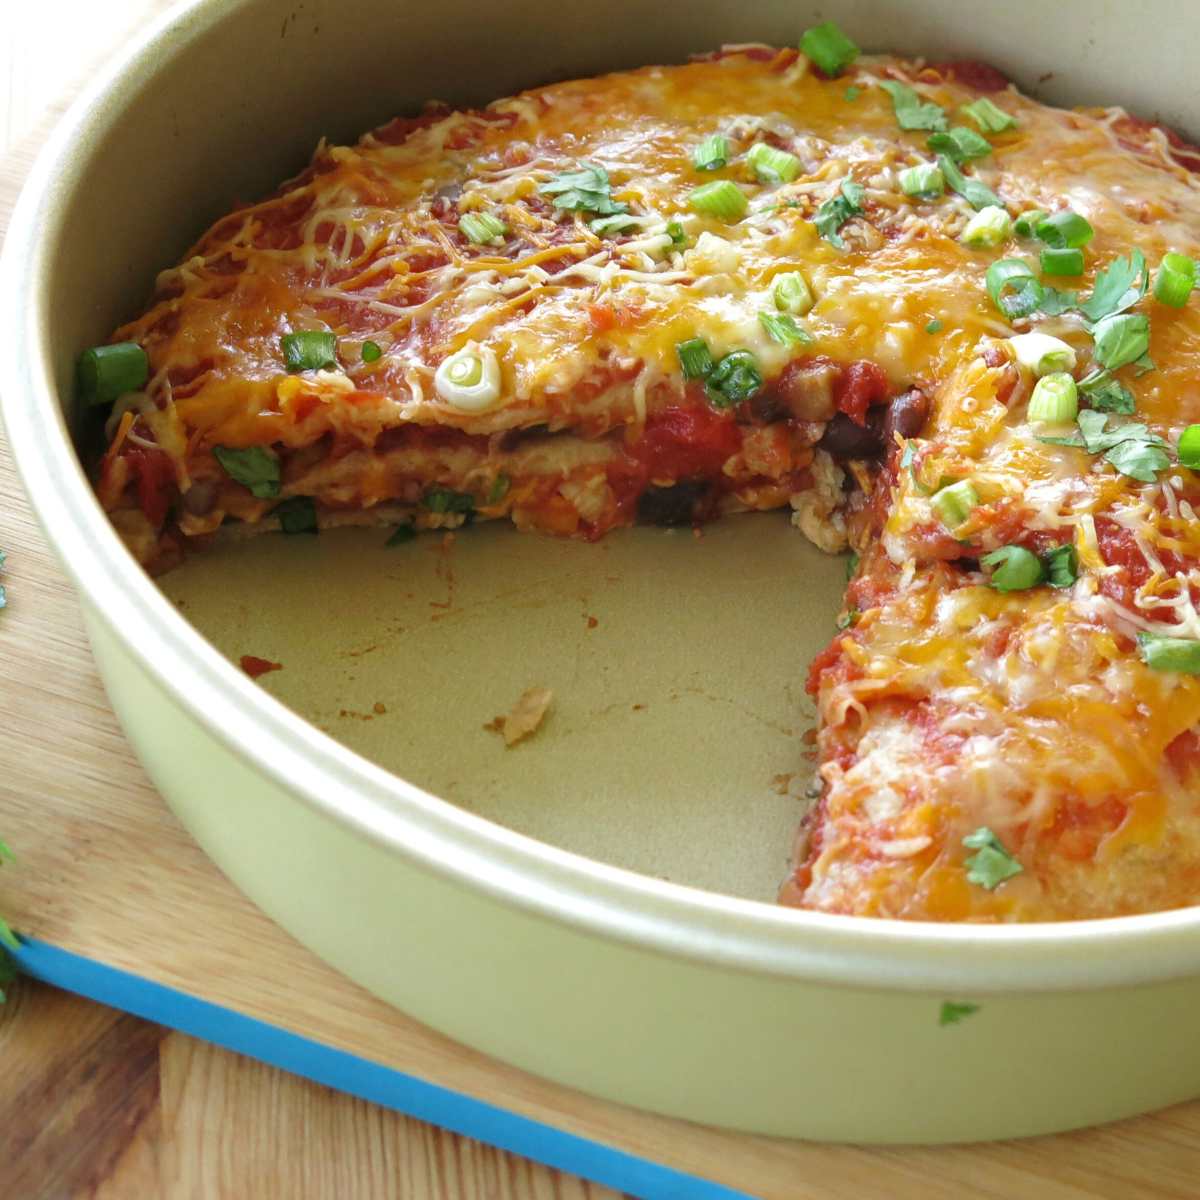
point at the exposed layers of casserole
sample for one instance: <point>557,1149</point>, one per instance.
<point>996,743</point>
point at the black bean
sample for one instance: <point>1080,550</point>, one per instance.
<point>680,504</point>
<point>906,415</point>
<point>844,439</point>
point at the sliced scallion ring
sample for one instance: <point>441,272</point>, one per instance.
<point>1055,399</point>
<point>470,379</point>
<point>987,228</point>
<point>1065,230</point>
<point>830,50</point>
<point>1026,224</point>
<point>771,165</point>
<point>1181,655</point>
<point>792,293</point>
<point>722,199</point>
<point>1175,279</point>
<point>1062,262</point>
<point>1041,353</point>
<point>1189,447</point>
<point>989,116</point>
<point>105,373</point>
<point>711,154</point>
<point>695,358</point>
<point>923,182</point>
<point>955,503</point>
<point>481,228</point>
<point>1013,287</point>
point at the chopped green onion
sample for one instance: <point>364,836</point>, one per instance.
<point>1120,339</point>
<point>1026,224</point>
<point>955,502</point>
<point>309,350</point>
<point>1013,287</point>
<point>734,379</point>
<point>253,467</point>
<point>951,1012</point>
<point>1189,447</point>
<point>1062,262</point>
<point>401,534</point>
<point>771,165</point>
<point>1175,279</point>
<point>1041,353</point>
<point>988,116</point>
<point>618,223</point>
<point>584,190</point>
<point>830,50</point>
<point>711,154</point>
<point>1014,569</point>
<point>1170,654</point>
<point>1062,566</point>
<point>924,181</point>
<point>960,144</point>
<point>499,488</point>
<point>934,326</point>
<point>848,619</point>
<point>976,193</point>
<point>992,864</point>
<point>1055,399</point>
<point>1065,230</point>
<point>371,352</point>
<point>676,233</point>
<point>792,293</point>
<point>695,358</point>
<point>297,515</point>
<point>105,373</point>
<point>481,228</point>
<point>837,210</point>
<point>852,561</point>
<point>987,228</point>
<point>446,500</point>
<point>851,94</point>
<point>911,111</point>
<point>469,380</point>
<point>783,328</point>
<point>722,199</point>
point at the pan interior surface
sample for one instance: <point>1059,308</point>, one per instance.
<point>674,745</point>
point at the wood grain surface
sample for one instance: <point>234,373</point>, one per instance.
<point>100,1104</point>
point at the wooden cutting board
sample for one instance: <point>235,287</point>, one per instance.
<point>123,907</point>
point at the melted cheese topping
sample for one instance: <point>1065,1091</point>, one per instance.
<point>948,706</point>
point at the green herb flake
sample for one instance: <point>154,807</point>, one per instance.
<point>991,864</point>
<point>1180,655</point>
<point>446,500</point>
<point>852,561</point>
<point>785,329</point>
<point>828,48</point>
<point>1119,286</point>
<point>851,94</point>
<point>1062,566</point>
<point>835,212</point>
<point>1106,394</point>
<point>499,488</point>
<point>298,514</point>
<point>911,111</point>
<point>989,116</point>
<point>371,352</point>
<point>934,326</point>
<point>976,193</point>
<point>401,534</point>
<point>960,143</point>
<point>586,189</point>
<point>253,467</point>
<point>1055,302</point>
<point>848,619</point>
<point>734,379</point>
<point>1121,339</point>
<point>952,1012</point>
<point>1131,448</point>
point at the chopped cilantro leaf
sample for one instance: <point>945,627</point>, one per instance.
<point>991,864</point>
<point>977,194</point>
<point>1106,394</point>
<point>952,1012</point>
<point>1054,302</point>
<point>587,190</point>
<point>1062,566</point>
<point>934,326</point>
<point>1121,339</point>
<point>911,111</point>
<point>1139,459</point>
<point>253,467</point>
<point>960,144</point>
<point>1119,286</point>
<point>1131,448</point>
<point>834,213</point>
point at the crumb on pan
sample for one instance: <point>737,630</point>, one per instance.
<point>524,717</point>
